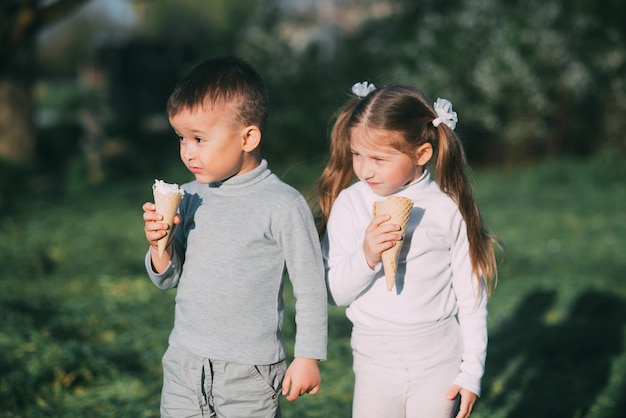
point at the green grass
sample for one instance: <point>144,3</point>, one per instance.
<point>82,329</point>
<point>557,318</point>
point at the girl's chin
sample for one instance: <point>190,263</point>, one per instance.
<point>382,192</point>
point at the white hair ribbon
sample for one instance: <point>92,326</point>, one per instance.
<point>445,114</point>
<point>363,89</point>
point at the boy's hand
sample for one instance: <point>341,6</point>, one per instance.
<point>154,229</point>
<point>378,238</point>
<point>468,399</point>
<point>303,376</point>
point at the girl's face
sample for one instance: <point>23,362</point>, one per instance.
<point>381,166</point>
<point>211,147</point>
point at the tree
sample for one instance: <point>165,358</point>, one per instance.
<point>530,79</point>
<point>20,22</point>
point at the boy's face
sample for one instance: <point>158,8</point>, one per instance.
<point>211,145</point>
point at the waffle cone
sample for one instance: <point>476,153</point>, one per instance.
<point>399,208</point>
<point>167,205</point>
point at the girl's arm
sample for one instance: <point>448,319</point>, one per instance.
<point>351,249</point>
<point>472,312</point>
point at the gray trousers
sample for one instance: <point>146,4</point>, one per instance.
<point>201,387</point>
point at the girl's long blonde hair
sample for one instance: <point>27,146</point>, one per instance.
<point>405,110</point>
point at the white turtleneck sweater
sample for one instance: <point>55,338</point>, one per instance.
<point>434,279</point>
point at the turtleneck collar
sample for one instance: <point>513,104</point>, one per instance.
<point>410,189</point>
<point>421,183</point>
<point>240,183</point>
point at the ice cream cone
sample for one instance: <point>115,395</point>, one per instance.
<point>399,208</point>
<point>167,197</point>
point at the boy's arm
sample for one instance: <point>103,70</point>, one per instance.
<point>155,230</point>
<point>303,257</point>
<point>164,271</point>
<point>303,376</point>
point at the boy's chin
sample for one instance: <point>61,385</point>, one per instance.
<point>207,179</point>
<point>203,179</point>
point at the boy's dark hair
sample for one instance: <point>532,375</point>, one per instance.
<point>222,80</point>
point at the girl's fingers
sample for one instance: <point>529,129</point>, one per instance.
<point>379,223</point>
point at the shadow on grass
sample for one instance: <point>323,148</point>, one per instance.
<point>536,368</point>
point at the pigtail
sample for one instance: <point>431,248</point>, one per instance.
<point>337,174</point>
<point>452,175</point>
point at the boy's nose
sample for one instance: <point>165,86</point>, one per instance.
<point>188,154</point>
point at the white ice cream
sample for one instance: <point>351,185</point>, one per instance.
<point>167,188</point>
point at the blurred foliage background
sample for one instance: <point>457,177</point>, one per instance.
<point>540,89</point>
<point>83,82</point>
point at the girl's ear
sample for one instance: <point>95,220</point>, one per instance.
<point>424,153</point>
<point>251,138</point>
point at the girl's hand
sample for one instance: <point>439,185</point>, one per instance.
<point>378,238</point>
<point>468,399</point>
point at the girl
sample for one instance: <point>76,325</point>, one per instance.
<point>419,349</point>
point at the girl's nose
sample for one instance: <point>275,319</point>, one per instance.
<point>366,171</point>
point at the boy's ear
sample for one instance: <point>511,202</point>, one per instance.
<point>424,153</point>
<point>251,138</point>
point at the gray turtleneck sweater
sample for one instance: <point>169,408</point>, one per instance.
<point>231,251</point>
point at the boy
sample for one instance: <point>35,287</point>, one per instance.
<point>238,228</point>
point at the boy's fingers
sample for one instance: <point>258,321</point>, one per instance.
<point>149,206</point>
<point>152,216</point>
<point>296,392</point>
<point>286,384</point>
<point>152,225</point>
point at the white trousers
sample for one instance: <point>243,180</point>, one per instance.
<point>406,374</point>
